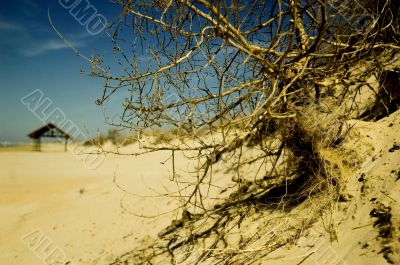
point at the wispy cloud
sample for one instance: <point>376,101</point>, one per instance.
<point>31,4</point>
<point>27,42</point>
<point>8,26</point>
<point>30,8</point>
<point>48,46</point>
<point>28,45</point>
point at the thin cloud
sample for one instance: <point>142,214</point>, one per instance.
<point>8,26</point>
<point>48,46</point>
<point>29,45</point>
<point>31,4</point>
<point>30,8</point>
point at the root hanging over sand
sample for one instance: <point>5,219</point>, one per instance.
<point>284,205</point>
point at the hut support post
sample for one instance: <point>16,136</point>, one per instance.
<point>36,145</point>
<point>66,143</point>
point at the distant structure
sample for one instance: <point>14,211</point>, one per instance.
<point>49,130</point>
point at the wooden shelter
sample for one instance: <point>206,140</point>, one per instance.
<point>48,130</point>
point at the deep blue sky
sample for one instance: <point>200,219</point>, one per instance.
<point>33,57</point>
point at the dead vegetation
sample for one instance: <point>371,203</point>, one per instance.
<point>114,137</point>
<point>284,203</point>
<point>223,79</point>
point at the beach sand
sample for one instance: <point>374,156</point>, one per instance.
<point>81,211</point>
<point>52,207</point>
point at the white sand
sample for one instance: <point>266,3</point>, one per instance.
<point>77,208</point>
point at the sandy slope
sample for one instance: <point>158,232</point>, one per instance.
<point>375,185</point>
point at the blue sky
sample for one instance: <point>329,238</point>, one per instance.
<point>33,57</point>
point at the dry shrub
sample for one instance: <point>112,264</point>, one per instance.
<point>99,140</point>
<point>279,81</point>
<point>287,203</point>
<point>114,136</point>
